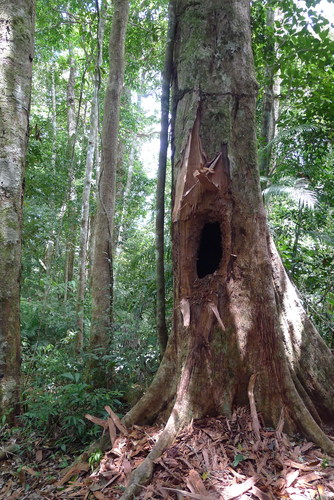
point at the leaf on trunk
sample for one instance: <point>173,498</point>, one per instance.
<point>280,425</point>
<point>215,311</point>
<point>185,310</point>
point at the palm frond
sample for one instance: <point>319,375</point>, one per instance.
<point>292,131</point>
<point>297,191</point>
<point>325,238</point>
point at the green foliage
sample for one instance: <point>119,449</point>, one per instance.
<point>95,459</point>
<point>55,400</point>
<point>299,197</point>
<point>237,459</point>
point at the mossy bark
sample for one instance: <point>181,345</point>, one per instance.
<point>16,54</point>
<point>235,313</point>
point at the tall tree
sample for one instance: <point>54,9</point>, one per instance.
<point>102,271</point>
<point>16,54</point>
<point>161,182</point>
<point>270,94</point>
<point>92,140</point>
<point>236,314</point>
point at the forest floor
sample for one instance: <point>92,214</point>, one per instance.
<point>214,458</point>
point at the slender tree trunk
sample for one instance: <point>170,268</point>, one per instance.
<point>126,193</point>
<point>92,139</point>
<point>102,273</point>
<point>236,314</point>
<point>54,120</point>
<point>70,159</point>
<point>270,100</point>
<point>16,53</point>
<point>161,182</point>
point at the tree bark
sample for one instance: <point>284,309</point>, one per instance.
<point>270,100</point>
<point>102,273</point>
<point>161,182</point>
<point>87,182</point>
<point>70,159</point>
<point>236,314</point>
<point>16,54</point>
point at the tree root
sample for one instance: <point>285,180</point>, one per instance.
<point>178,419</point>
<point>308,425</point>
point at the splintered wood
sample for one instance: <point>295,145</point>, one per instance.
<point>214,458</point>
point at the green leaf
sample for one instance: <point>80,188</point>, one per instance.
<point>237,459</point>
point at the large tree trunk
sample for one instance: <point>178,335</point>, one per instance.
<point>16,53</point>
<point>236,314</point>
<point>102,273</point>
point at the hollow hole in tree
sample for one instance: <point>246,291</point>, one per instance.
<point>210,249</point>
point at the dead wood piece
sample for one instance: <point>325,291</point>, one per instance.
<point>97,420</point>
<point>195,484</point>
<point>112,431</point>
<point>255,419</point>
<point>117,421</point>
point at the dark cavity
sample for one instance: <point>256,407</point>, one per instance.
<point>210,249</point>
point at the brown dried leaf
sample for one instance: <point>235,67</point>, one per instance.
<point>259,493</point>
<point>127,467</point>
<point>255,418</point>
<point>190,495</point>
<point>308,478</point>
<point>116,420</point>
<point>291,477</point>
<point>75,469</point>
<point>297,465</point>
<point>112,431</point>
<point>195,484</point>
<point>97,420</point>
<point>206,459</point>
<point>99,495</point>
<point>238,489</point>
